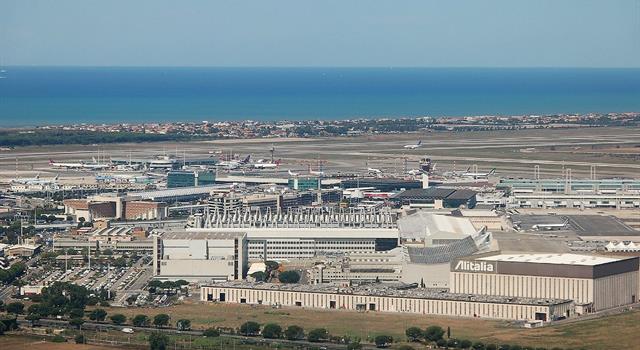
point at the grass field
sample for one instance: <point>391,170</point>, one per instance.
<point>619,331</point>
<point>11,342</point>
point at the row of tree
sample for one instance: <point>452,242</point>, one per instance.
<point>435,334</point>
<point>12,273</point>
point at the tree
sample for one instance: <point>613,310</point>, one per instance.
<point>289,277</point>
<point>478,346</point>
<point>441,343</point>
<point>76,322</point>
<point>272,331</point>
<point>259,276</point>
<point>491,347</point>
<point>158,341</point>
<point>76,313</point>
<point>59,339</point>
<point>15,308</point>
<point>118,318</point>
<point>161,320</point>
<point>183,324</point>
<point>80,339</point>
<point>433,333</point>
<point>98,315</point>
<point>294,333</point>
<point>356,346</point>
<point>3,328</point>
<point>33,318</point>
<point>249,328</point>
<point>405,347</point>
<point>453,343</point>
<point>318,335</point>
<point>465,344</point>
<point>382,341</point>
<point>413,334</point>
<point>140,320</point>
<point>211,333</point>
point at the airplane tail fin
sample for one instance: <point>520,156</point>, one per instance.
<point>278,161</point>
<point>50,161</point>
<point>419,142</point>
<point>246,160</point>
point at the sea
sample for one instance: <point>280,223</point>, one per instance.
<point>31,96</point>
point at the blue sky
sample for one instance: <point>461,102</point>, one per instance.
<point>468,33</point>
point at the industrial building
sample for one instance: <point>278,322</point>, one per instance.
<point>568,185</point>
<point>200,256</point>
<point>287,243</point>
<point>304,183</point>
<point>436,198</point>
<point>576,200</point>
<point>594,283</point>
<point>374,298</point>
<point>358,267</point>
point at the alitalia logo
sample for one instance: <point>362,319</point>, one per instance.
<point>474,266</point>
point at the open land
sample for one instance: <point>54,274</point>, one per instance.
<point>617,330</point>
<point>615,152</point>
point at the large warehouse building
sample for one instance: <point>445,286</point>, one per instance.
<point>595,283</point>
<point>388,299</point>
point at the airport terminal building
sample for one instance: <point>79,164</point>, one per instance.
<point>594,283</point>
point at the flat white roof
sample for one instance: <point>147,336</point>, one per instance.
<point>307,233</point>
<point>546,258</point>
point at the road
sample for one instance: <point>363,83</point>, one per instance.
<point>108,326</point>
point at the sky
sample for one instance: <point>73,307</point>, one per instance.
<point>414,33</point>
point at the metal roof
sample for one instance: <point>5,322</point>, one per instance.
<point>559,259</point>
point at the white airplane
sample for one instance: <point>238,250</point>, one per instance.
<point>81,165</point>
<point>292,173</point>
<point>414,172</point>
<point>414,146</point>
<point>479,175</point>
<point>374,171</point>
<point>316,172</point>
<point>234,164</point>
<point>261,164</point>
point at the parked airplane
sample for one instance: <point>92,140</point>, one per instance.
<point>479,175</point>
<point>414,146</point>
<point>81,165</point>
<point>316,172</point>
<point>291,173</point>
<point>374,171</point>
<point>234,164</point>
<point>262,164</point>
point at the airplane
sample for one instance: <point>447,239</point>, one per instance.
<point>374,171</point>
<point>478,175</point>
<point>292,173</point>
<point>316,172</point>
<point>234,164</point>
<point>414,146</point>
<point>415,172</point>
<point>261,164</point>
<point>81,165</point>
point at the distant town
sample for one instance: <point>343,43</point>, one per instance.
<point>179,131</point>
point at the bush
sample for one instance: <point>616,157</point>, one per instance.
<point>76,322</point>
<point>318,335</point>
<point>383,341</point>
<point>413,334</point>
<point>211,333</point>
<point>516,347</point>
<point>80,339</point>
<point>76,313</point>
<point>294,333</point>
<point>250,328</point>
<point>272,331</point>
<point>59,339</point>
<point>433,333</point>
<point>453,343</point>
<point>441,343</point>
<point>289,277</point>
<point>491,347</point>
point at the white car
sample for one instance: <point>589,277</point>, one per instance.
<point>127,330</point>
